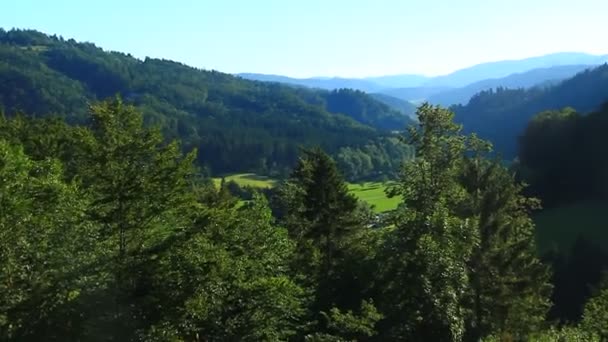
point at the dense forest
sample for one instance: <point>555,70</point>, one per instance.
<point>563,147</point>
<point>237,124</point>
<point>109,233</point>
<point>112,228</point>
<point>501,114</point>
<point>528,79</point>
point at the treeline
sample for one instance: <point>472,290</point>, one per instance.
<point>108,233</point>
<point>561,158</point>
<point>501,115</point>
<point>238,125</point>
<point>561,155</point>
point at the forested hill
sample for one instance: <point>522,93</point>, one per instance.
<point>237,124</point>
<point>501,115</point>
<point>532,78</point>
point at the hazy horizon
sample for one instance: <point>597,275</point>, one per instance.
<point>346,39</point>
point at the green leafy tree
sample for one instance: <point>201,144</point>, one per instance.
<point>461,261</point>
<point>348,326</point>
<point>141,195</point>
<point>509,287</point>
<point>425,257</point>
<point>227,278</point>
<point>46,245</point>
<point>595,314</point>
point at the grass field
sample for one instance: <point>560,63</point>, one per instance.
<point>370,192</point>
<point>560,227</point>
<point>556,228</point>
<point>249,179</point>
<point>373,193</point>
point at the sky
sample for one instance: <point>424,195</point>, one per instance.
<point>305,38</point>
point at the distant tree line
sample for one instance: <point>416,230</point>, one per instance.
<point>561,156</point>
<point>236,124</point>
<point>501,115</point>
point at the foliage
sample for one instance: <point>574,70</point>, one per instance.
<point>348,326</point>
<point>227,279</point>
<point>131,244</point>
<point>238,125</point>
<point>567,142</point>
<point>553,334</point>
<point>327,224</point>
<point>512,109</point>
<point>461,260</point>
<point>595,315</point>
<point>426,270</point>
<point>45,241</point>
<point>509,287</point>
<point>109,232</point>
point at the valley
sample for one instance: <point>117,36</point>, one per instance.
<point>170,181</point>
<point>372,193</point>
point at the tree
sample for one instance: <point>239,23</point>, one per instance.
<point>323,219</point>
<point>595,315</point>
<point>348,326</point>
<point>46,248</point>
<point>141,195</point>
<point>461,261</point>
<point>226,278</point>
<point>509,286</point>
<point>318,209</point>
<point>425,276</point>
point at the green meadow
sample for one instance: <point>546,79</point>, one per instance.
<point>248,179</point>
<point>370,192</point>
<point>374,194</point>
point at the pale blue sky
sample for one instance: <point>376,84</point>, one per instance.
<point>350,38</point>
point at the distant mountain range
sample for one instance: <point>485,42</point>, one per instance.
<point>326,83</point>
<point>476,73</point>
<point>501,115</point>
<point>458,86</point>
<point>535,77</point>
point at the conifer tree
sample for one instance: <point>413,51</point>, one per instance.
<point>509,286</point>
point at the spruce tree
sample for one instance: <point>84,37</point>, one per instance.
<point>323,219</point>
<point>509,286</point>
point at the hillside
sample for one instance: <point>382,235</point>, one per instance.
<point>237,124</point>
<point>402,106</point>
<point>528,79</point>
<point>501,115</point>
<point>368,110</point>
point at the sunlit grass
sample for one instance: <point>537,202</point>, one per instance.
<point>370,192</point>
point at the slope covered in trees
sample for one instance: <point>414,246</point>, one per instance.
<point>528,79</point>
<point>560,156</point>
<point>111,235</point>
<point>240,125</point>
<point>501,115</point>
<point>403,106</point>
<point>564,147</point>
